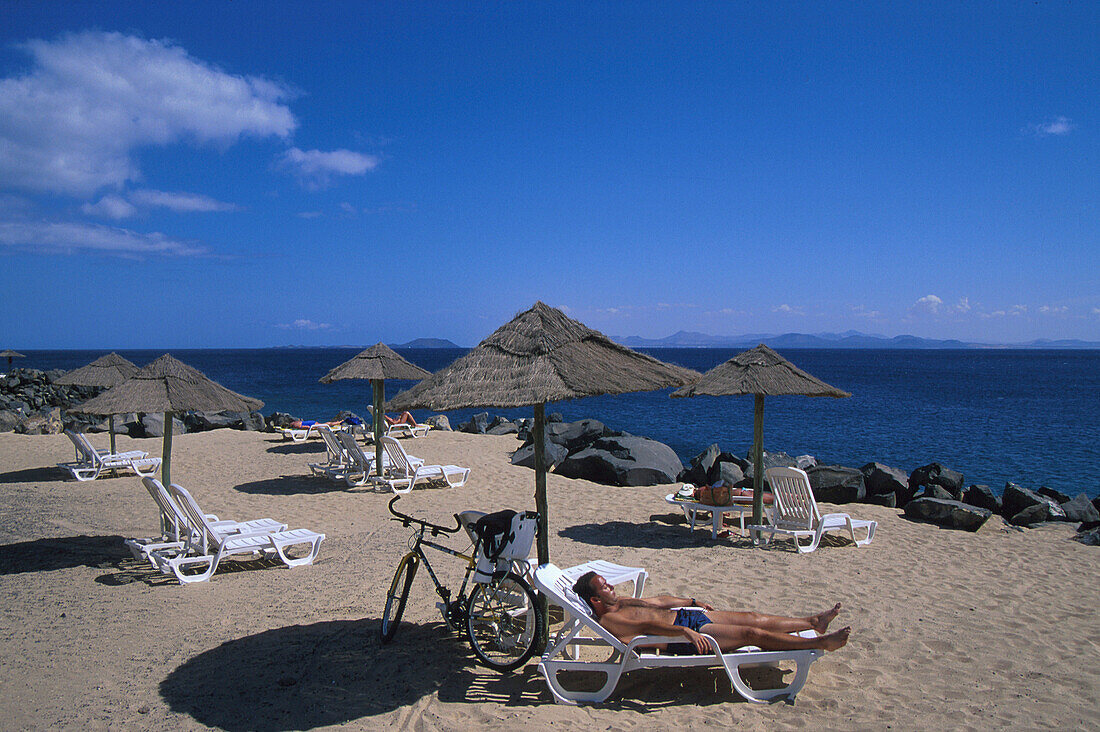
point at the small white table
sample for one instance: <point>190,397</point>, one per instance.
<point>716,512</point>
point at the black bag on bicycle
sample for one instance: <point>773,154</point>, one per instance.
<point>504,536</point>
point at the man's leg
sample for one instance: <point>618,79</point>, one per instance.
<point>732,637</point>
<point>775,623</point>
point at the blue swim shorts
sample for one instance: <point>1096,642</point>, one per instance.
<point>687,618</point>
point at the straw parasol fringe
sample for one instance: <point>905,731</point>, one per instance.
<point>377,363</point>
<point>541,356</point>
<point>104,372</point>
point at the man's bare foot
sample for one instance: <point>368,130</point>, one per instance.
<point>836,640</point>
<point>820,623</point>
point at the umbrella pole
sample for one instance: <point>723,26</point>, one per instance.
<point>111,429</point>
<point>758,460</point>
<point>377,387</point>
<point>166,461</point>
<point>543,537</point>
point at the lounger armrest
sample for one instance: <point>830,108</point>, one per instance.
<point>251,535</point>
<point>650,640</point>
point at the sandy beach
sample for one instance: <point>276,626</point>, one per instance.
<point>950,629</point>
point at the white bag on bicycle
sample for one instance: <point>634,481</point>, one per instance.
<point>498,550</point>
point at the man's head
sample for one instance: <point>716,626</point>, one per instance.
<point>596,591</point>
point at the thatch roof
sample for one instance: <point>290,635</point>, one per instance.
<point>167,385</point>
<point>11,354</point>
<point>105,371</point>
<point>377,362</point>
<point>540,356</point>
<point>759,371</point>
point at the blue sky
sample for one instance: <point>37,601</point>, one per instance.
<point>253,174</point>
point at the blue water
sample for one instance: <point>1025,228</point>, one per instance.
<point>1032,417</point>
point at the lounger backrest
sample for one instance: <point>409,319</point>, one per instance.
<point>169,509</point>
<point>399,459</point>
<point>794,499</point>
<point>352,449</point>
<point>335,449</point>
<point>84,448</point>
<point>555,585</point>
<point>195,517</point>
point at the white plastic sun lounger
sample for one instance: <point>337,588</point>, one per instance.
<point>90,463</point>
<point>627,657</point>
<point>404,471</point>
<point>360,468</point>
<point>205,547</point>
<point>337,461</point>
<point>795,513</point>
<point>175,525</point>
<point>301,434</point>
<point>407,430</point>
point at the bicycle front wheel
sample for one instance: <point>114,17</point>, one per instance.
<point>396,597</point>
<point>504,622</point>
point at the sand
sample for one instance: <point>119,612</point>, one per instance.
<point>951,629</point>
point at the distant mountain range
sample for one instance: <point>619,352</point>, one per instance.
<point>426,343</point>
<point>848,339</point>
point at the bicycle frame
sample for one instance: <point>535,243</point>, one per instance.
<point>442,590</point>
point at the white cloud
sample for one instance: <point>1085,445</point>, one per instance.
<point>1053,309</point>
<point>316,168</point>
<point>303,324</point>
<point>1013,312</point>
<point>72,122</point>
<point>927,304</point>
<point>180,202</point>
<point>1056,126</point>
<point>861,312</point>
<point>348,208</point>
<point>1096,311</point>
<point>963,305</point>
<point>787,309</point>
<point>111,207</point>
<point>66,238</point>
<point>309,214</point>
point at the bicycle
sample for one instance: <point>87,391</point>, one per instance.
<point>502,618</point>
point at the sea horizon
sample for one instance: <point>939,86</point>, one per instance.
<point>1025,416</point>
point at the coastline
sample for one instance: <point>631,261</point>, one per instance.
<point>950,628</point>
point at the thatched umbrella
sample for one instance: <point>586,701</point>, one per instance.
<point>11,354</point>
<point>760,372</point>
<point>377,363</point>
<point>541,356</point>
<point>104,372</point>
<point>169,386</point>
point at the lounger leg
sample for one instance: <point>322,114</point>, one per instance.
<point>550,671</point>
<point>280,547</point>
<point>176,566</point>
<point>763,696</point>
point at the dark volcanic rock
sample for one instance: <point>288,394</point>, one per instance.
<point>935,474</point>
<point>935,491</point>
<point>1080,509</point>
<point>1090,537</point>
<point>729,473</point>
<point>947,513</point>
<point>624,460</point>
<point>1034,514</point>
<point>439,422</point>
<point>503,427</point>
<point>1057,496</point>
<point>476,425</point>
<point>890,500</point>
<point>525,455</point>
<point>771,460</point>
<point>580,434</point>
<point>982,496</point>
<point>1016,498</point>
<point>836,484</point>
<point>154,425</point>
<point>882,479</point>
<point>698,473</point>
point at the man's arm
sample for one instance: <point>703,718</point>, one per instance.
<point>626,630</point>
<point>663,602</point>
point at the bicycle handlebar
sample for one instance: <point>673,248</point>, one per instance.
<point>405,520</point>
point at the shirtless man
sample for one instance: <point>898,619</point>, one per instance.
<point>628,617</point>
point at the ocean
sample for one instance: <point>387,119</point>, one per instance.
<point>1031,417</point>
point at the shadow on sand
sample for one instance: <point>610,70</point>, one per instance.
<point>663,532</point>
<point>306,676</point>
<point>298,448</point>
<point>292,485</point>
<point>45,555</point>
<point>36,475</point>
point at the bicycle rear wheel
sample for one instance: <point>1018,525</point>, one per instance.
<point>504,622</point>
<point>398,594</point>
